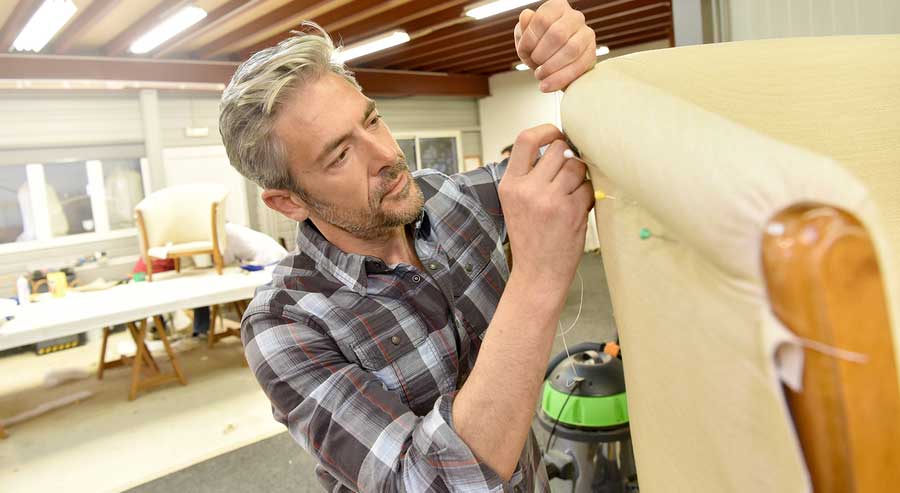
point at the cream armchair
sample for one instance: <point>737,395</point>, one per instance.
<point>181,221</point>
<point>751,253</point>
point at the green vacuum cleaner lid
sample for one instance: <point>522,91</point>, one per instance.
<point>598,401</point>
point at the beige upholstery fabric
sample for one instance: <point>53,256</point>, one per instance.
<point>181,215</point>
<point>702,145</point>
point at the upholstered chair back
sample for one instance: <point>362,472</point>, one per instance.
<point>704,149</point>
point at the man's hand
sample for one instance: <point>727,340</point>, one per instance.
<point>545,207</point>
<point>556,43</point>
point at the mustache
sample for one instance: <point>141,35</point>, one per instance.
<point>389,176</point>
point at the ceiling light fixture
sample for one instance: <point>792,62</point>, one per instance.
<point>47,20</point>
<point>168,28</point>
<point>603,50</point>
<point>372,45</point>
<point>494,8</point>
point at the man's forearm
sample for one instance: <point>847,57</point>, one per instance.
<point>492,412</point>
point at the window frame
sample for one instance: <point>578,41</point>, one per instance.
<point>36,180</point>
<point>432,134</point>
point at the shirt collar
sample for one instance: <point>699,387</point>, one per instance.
<point>349,269</point>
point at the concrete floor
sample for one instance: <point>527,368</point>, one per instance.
<point>277,464</point>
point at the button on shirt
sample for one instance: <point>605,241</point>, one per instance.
<point>361,360</point>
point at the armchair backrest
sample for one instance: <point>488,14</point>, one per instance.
<point>702,147</point>
<point>183,214</point>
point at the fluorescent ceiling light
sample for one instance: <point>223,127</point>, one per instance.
<point>377,43</point>
<point>47,20</point>
<point>495,8</point>
<point>520,67</point>
<point>603,50</point>
<point>168,28</point>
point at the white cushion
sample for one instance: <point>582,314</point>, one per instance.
<point>183,214</point>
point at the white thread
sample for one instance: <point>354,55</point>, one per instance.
<point>563,333</point>
<point>834,352</point>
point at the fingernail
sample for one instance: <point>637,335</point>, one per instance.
<point>544,86</point>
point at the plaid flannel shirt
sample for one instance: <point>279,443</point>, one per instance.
<point>362,360</point>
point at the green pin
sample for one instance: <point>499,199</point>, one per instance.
<point>646,234</point>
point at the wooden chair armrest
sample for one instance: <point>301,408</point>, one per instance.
<point>825,285</point>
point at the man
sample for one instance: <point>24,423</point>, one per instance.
<point>395,344</point>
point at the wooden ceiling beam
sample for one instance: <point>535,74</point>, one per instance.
<point>618,7</point>
<point>374,82</point>
<point>401,83</point>
<point>285,17</point>
<point>213,20</point>
<point>414,17</point>
<point>326,20</point>
<point>377,17</point>
<point>442,40</point>
<point>614,44</point>
<point>17,19</point>
<point>94,13</point>
<point>625,18</point>
<point>639,28</point>
<point>431,53</point>
<point>508,56</point>
<point>600,28</point>
<point>445,40</point>
<point>348,28</point>
<point>119,45</point>
<point>110,68</point>
<point>482,47</point>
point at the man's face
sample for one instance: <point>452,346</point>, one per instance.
<point>349,169</point>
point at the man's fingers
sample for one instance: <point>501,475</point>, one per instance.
<point>570,176</point>
<point>561,79</point>
<point>573,50</point>
<point>552,161</point>
<point>523,48</point>
<point>584,194</point>
<point>557,36</point>
<point>526,147</point>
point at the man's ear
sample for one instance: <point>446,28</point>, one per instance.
<point>286,203</point>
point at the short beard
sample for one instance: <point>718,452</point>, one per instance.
<point>374,223</point>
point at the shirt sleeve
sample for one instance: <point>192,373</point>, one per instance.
<point>360,433</point>
<point>481,184</point>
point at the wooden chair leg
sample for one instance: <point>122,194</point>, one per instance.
<point>178,264</point>
<point>3,434</point>
<point>161,328</point>
<point>139,358</point>
<point>211,335</point>
<point>102,364</point>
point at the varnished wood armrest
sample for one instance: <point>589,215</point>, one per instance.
<point>825,285</point>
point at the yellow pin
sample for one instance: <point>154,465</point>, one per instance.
<point>600,195</point>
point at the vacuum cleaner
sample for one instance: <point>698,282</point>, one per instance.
<point>584,409</point>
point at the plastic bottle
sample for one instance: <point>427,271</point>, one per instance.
<point>23,290</point>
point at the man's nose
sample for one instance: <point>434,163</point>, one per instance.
<point>383,156</point>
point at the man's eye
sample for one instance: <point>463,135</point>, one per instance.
<point>376,120</point>
<point>341,158</point>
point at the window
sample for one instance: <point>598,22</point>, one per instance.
<point>42,201</point>
<point>123,188</point>
<point>408,146</point>
<point>13,180</point>
<point>434,150</point>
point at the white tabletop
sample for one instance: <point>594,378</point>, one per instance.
<point>82,311</point>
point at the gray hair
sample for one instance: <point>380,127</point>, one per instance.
<point>258,89</point>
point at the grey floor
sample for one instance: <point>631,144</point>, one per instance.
<point>279,465</point>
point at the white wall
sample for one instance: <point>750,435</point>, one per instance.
<point>516,104</point>
<point>757,19</point>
